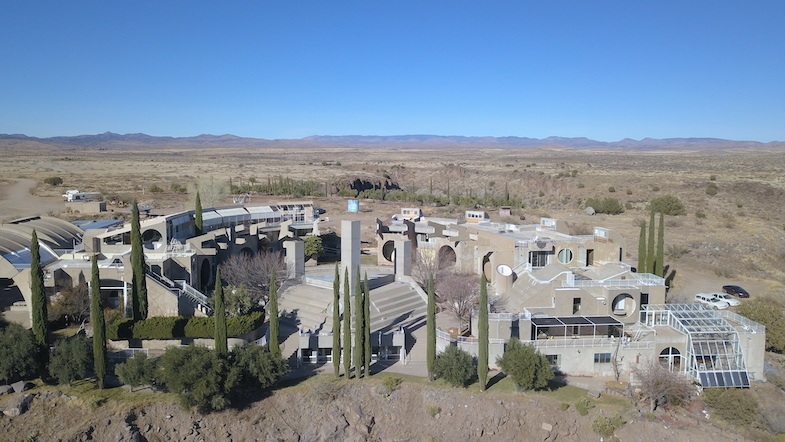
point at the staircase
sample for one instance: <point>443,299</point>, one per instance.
<point>182,290</point>
<point>308,306</point>
<point>394,305</point>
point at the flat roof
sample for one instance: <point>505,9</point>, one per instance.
<point>559,321</point>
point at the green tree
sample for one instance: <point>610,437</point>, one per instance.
<point>768,312</point>
<point>668,204</point>
<point>642,249</point>
<point>525,365</point>
<point>71,359</point>
<point>482,334</point>
<point>197,375</point>
<point>431,325</point>
<point>367,326</point>
<point>273,344</point>
<point>347,326</point>
<point>19,353</point>
<point>137,371</point>
<point>660,254</point>
<point>359,327</point>
<point>259,369</point>
<point>221,345</point>
<point>139,299</point>
<point>455,366</point>
<point>198,223</point>
<point>336,323</point>
<point>99,327</point>
<point>38,299</point>
<point>650,256</point>
<point>314,246</point>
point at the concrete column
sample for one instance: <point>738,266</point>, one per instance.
<point>403,258</point>
<point>295,259</point>
<point>350,250</point>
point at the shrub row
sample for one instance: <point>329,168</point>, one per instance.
<point>173,327</point>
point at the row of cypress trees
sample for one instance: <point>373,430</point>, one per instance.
<point>342,335</point>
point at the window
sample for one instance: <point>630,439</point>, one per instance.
<point>553,359</point>
<point>576,305</point>
<point>602,358</point>
<point>565,256</point>
<point>539,259</point>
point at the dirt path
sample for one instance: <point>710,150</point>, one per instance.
<point>16,200</point>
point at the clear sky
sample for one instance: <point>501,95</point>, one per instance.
<point>292,68</point>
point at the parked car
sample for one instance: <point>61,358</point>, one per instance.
<point>712,301</point>
<point>733,302</point>
<point>735,291</point>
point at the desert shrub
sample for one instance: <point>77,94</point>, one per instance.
<point>257,368</point>
<point>71,359</point>
<point>53,180</point>
<point>655,188</point>
<point>389,384</point>
<point>581,185</point>
<point>713,177</point>
<point>564,406</point>
<point>611,189</point>
<point>197,375</point>
<point>629,191</point>
<point>767,312</point>
<point>541,194</point>
<point>529,369</point>
<point>668,204</point>
<point>583,405</point>
<point>711,189</point>
<point>137,371</point>
<point>19,353</point>
<point>156,189</point>
<point>733,405</point>
<point>178,188</point>
<point>433,410</point>
<point>314,246</point>
<point>700,214</point>
<point>611,206</point>
<point>675,252</point>
<point>606,426</point>
<point>455,366</point>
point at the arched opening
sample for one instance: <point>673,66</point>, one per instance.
<point>150,236</point>
<point>670,358</point>
<point>204,273</point>
<point>388,249</point>
<point>447,257</point>
<point>486,266</point>
<point>623,305</point>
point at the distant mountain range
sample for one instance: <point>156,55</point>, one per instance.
<point>112,140</point>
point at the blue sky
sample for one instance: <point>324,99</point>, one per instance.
<point>289,69</point>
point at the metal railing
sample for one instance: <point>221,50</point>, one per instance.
<point>748,325</point>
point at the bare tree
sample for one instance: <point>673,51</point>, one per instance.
<point>252,272</point>
<point>211,191</point>
<point>661,385</point>
<point>458,293</point>
<point>426,264</point>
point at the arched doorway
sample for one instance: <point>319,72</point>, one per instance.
<point>623,305</point>
<point>388,249</point>
<point>670,358</point>
<point>150,236</point>
<point>205,273</point>
<point>447,257</point>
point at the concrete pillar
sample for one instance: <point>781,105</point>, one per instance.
<point>295,259</point>
<point>350,250</point>
<point>403,258</point>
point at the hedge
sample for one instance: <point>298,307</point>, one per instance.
<point>174,327</point>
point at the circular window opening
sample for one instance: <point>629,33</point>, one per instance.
<point>565,256</point>
<point>623,305</point>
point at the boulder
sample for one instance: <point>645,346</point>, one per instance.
<point>17,405</point>
<point>21,386</point>
<point>5,389</point>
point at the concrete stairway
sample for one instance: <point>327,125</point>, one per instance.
<point>394,305</point>
<point>309,306</point>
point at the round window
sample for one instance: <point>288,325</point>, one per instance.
<point>565,256</point>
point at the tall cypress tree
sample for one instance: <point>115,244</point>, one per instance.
<point>347,326</point>
<point>431,326</point>
<point>658,263</point>
<point>275,349</point>
<point>139,299</point>
<point>367,326</point>
<point>650,247</point>
<point>642,249</point>
<point>219,317</point>
<point>336,323</point>
<point>198,223</point>
<point>482,334</point>
<point>359,327</point>
<point>99,327</point>
<point>38,301</point>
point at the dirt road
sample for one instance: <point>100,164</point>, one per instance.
<point>16,200</point>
